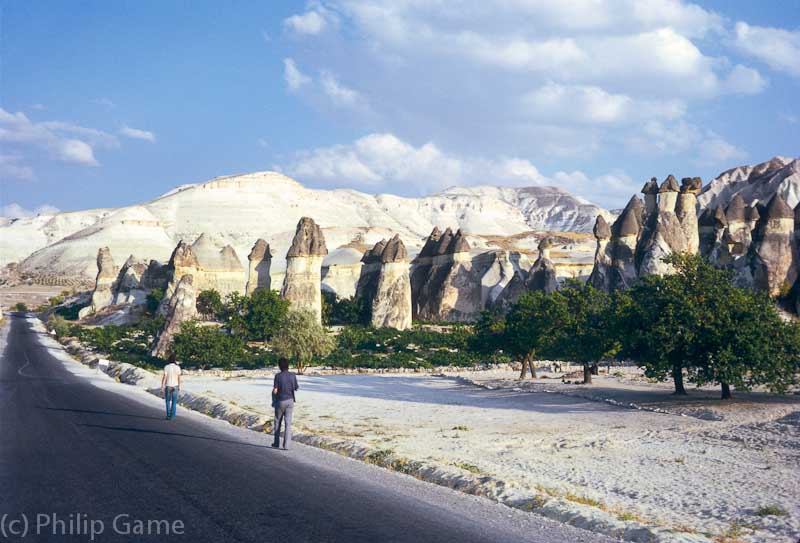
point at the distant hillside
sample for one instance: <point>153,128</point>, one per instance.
<point>759,182</point>
<point>239,209</point>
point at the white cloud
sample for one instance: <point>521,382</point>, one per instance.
<point>310,22</point>
<point>137,133</point>
<point>38,107</point>
<point>588,104</point>
<point>702,145</point>
<point>16,211</point>
<point>789,118</point>
<point>384,162</point>
<point>778,48</point>
<point>293,76</point>
<point>744,80</point>
<point>314,21</point>
<point>264,144</point>
<point>61,141</point>
<point>339,94</point>
<point>12,167</point>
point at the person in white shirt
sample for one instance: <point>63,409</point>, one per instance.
<point>171,384</point>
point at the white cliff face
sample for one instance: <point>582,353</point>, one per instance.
<point>240,209</point>
<point>779,175</point>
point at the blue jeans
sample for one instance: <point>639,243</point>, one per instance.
<point>171,397</point>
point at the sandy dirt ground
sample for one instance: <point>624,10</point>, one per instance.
<point>696,465</point>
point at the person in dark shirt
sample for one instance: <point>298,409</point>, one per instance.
<point>283,400</point>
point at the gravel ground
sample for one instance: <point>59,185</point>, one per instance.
<point>695,465</point>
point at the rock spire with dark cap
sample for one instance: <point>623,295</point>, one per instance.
<point>302,282</point>
<point>772,253</point>
<point>260,262</point>
<point>308,240</point>
<point>601,271</point>
<point>735,212</point>
<point>542,275</point>
<point>390,306</point>
<point>601,229</point>
<point>650,191</point>
<point>686,211</point>
<point>668,194</point>
<point>459,243</point>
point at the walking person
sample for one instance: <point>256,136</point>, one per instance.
<point>283,402</point>
<point>171,385</point>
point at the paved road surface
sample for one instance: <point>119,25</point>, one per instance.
<point>89,453</point>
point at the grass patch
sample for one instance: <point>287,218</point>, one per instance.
<point>770,511</point>
<point>472,468</point>
<point>585,500</point>
<point>461,428</point>
<point>552,492</point>
<point>536,502</point>
<point>379,457</point>
<point>734,532</point>
<point>683,529</point>
<point>680,460</point>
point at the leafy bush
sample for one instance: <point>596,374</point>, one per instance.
<point>59,325</point>
<point>198,346</point>
<point>153,300</point>
<point>21,307</point>
<point>302,338</point>
<point>344,311</point>
<point>209,304</point>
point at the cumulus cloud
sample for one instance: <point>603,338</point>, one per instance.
<point>778,48</point>
<point>293,76</point>
<point>383,162</point>
<point>704,146</point>
<point>314,21</point>
<point>137,134</point>
<point>62,141</point>
<point>593,105</point>
<point>16,211</point>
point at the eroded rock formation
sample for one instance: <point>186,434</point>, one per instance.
<point>663,233</point>
<point>301,285</point>
<point>391,303</point>
<point>260,259</point>
<point>624,237</point>
<point>102,295</point>
<point>542,275</point>
<point>603,258</point>
<point>181,307</point>
<point>444,285</point>
<point>772,252</point>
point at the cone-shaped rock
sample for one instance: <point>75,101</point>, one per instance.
<point>391,304</point>
<point>301,285</point>
<point>180,308</point>
<point>686,211</point>
<point>102,295</point>
<point>600,277</point>
<point>772,253</point>
<point>260,262</point>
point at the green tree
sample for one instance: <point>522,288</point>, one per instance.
<point>153,300</point>
<point>302,338</point>
<point>585,336</point>
<point>265,311</point>
<point>209,304</point>
<point>21,307</point>
<point>202,346</point>
<point>741,339</point>
<point>532,325</point>
<point>232,314</point>
<point>489,333</point>
<point>696,321</point>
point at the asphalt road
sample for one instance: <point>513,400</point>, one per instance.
<point>75,456</point>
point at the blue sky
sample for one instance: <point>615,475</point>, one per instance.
<point>112,103</point>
